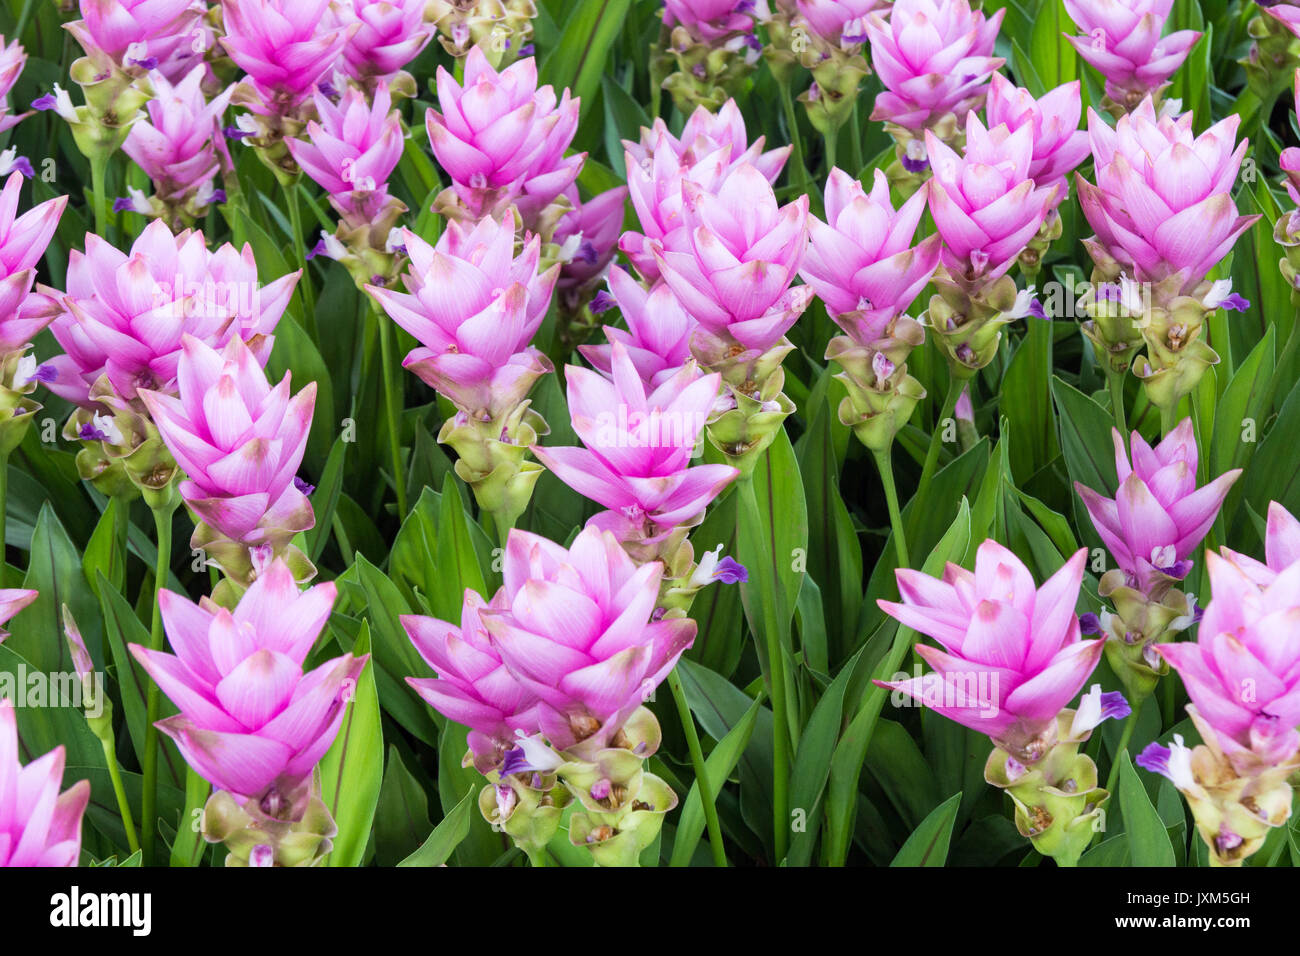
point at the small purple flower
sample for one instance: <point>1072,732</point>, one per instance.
<point>602,301</point>
<point>1235,303</point>
<point>89,432</point>
<point>123,204</point>
<point>1154,758</point>
<point>1036,309</point>
<point>219,196</point>
<point>46,102</point>
<point>1089,623</point>
<point>318,250</point>
<point>231,132</point>
<point>730,571</point>
<point>46,373</point>
<point>303,486</point>
<point>22,164</point>
<point>527,50</point>
<point>146,64</point>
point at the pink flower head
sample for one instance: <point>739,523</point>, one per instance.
<point>1059,144</point>
<point>1011,656</point>
<point>655,186</point>
<point>703,135</point>
<point>388,35</point>
<point>23,240</point>
<point>576,630</point>
<point>501,139</point>
<point>134,33</point>
<point>239,441</point>
<point>38,825</point>
<point>934,57</point>
<point>840,22</point>
<point>13,600</point>
<point>12,60</point>
<point>861,260</point>
<point>740,253</point>
<point>592,227</point>
<point>251,722</point>
<point>985,203</point>
<point>1159,516</point>
<point>284,47</point>
<point>1281,548</point>
<point>1243,670</point>
<point>179,142</point>
<point>473,687</point>
<point>710,19</point>
<point>1287,14</point>
<point>1289,161</point>
<point>639,445</point>
<point>658,336</point>
<point>1163,200</point>
<point>474,307</point>
<point>1121,40</point>
<point>126,314</point>
<point>352,150</point>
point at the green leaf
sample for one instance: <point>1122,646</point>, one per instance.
<point>928,844</point>
<point>589,33</point>
<point>1148,840</point>
<point>402,816</point>
<point>352,769</point>
<point>446,836</point>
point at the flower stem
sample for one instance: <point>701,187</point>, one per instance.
<point>123,805</point>
<point>162,516</point>
<point>766,588</point>
<point>391,409</point>
<point>932,455</point>
<point>1130,724</point>
<point>792,123</point>
<point>98,176</point>
<point>1168,418</point>
<point>23,17</point>
<point>1116,382</point>
<point>884,462</point>
<point>707,796</point>
<point>300,250</point>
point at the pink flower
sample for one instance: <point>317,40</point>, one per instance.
<point>1059,144</point>
<point>125,315</point>
<point>740,253</point>
<point>1159,516</point>
<point>178,145</point>
<point>710,19</point>
<point>861,260</point>
<point>23,240</point>
<point>282,47</point>
<point>352,150</point>
<point>704,134</point>
<point>501,139</point>
<point>1281,548</point>
<point>389,34</point>
<point>934,57</point>
<point>593,226</point>
<point>13,600</point>
<point>575,629</point>
<point>239,441</point>
<point>1243,671</point>
<point>840,22</point>
<point>473,687</point>
<point>1121,39</point>
<point>1011,655</point>
<point>474,307</point>
<point>12,60</point>
<point>1163,200</point>
<point>658,336</point>
<point>1287,14</point>
<point>134,33</point>
<point>639,445</point>
<point>38,825</point>
<point>985,203</point>
<point>251,722</point>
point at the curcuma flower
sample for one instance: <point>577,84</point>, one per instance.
<point>1158,516</point>
<point>23,240</point>
<point>590,231</point>
<point>639,447</point>
<point>388,35</point>
<point>251,722</point>
<point>473,687</point>
<point>1011,656</point>
<point>705,133</point>
<point>125,313</point>
<point>1059,144</point>
<point>239,442</point>
<point>352,150</point>
<point>575,628</point>
<point>179,146</point>
<point>12,60</point>
<point>658,335</point>
<point>501,139</point>
<point>38,825</point>
<point>1281,548</point>
<point>13,600</point>
<point>140,34</point>
<point>1122,40</point>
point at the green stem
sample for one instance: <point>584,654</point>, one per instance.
<point>792,122</point>
<point>856,139</point>
<point>766,588</point>
<point>1116,382</point>
<point>885,464</point>
<point>98,175</point>
<point>707,796</point>
<point>391,401</point>
<point>300,250</point>
<point>23,17</point>
<point>932,455</point>
<point>1130,724</point>
<point>162,516</point>
<point>1168,418</point>
<point>832,142</point>
<point>123,806</point>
